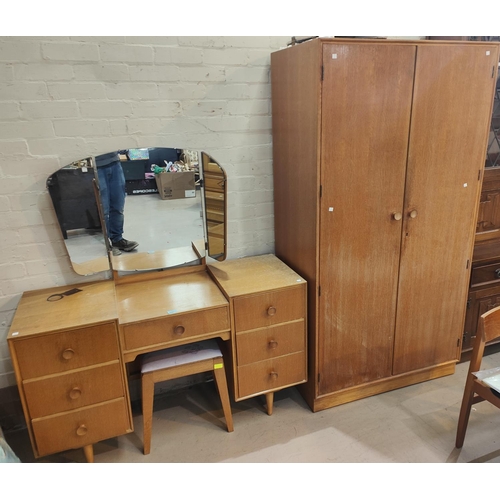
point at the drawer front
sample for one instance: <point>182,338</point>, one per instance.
<point>60,352</point>
<point>272,374</point>
<point>485,274</point>
<point>81,427</point>
<point>271,342</point>
<point>73,390</point>
<point>174,328</point>
<point>270,308</point>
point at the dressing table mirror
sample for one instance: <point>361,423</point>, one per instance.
<point>175,208</point>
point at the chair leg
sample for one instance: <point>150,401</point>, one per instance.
<point>463,419</point>
<point>148,389</point>
<point>220,381</point>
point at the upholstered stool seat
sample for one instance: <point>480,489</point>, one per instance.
<point>178,362</point>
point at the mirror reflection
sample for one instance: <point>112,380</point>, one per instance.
<point>153,203</point>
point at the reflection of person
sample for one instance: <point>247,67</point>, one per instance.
<point>112,192</point>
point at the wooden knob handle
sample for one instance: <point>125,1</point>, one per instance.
<point>75,393</point>
<point>273,344</point>
<point>273,375</point>
<point>397,215</point>
<point>179,330</point>
<point>271,311</point>
<point>413,214</point>
<point>68,353</point>
<point>82,430</point>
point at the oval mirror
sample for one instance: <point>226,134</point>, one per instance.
<point>165,211</point>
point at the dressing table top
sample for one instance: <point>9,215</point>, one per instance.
<point>146,300</point>
<point>95,303</point>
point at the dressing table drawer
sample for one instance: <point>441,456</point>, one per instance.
<point>80,427</point>
<point>266,343</point>
<point>176,327</point>
<point>70,350</point>
<point>73,390</point>
<point>271,308</point>
<point>271,374</point>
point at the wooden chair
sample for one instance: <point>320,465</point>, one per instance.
<point>178,362</point>
<point>475,390</point>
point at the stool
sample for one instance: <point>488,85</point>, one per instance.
<point>178,362</point>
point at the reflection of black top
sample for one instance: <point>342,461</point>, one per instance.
<point>102,161</point>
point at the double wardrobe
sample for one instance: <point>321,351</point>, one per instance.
<point>379,149</point>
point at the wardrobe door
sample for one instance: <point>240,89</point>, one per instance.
<point>366,103</point>
<point>451,112</point>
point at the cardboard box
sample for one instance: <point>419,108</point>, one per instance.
<point>175,185</point>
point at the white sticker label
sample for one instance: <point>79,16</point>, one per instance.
<point>190,193</point>
<point>487,52</point>
<point>334,56</point>
<point>84,169</point>
<point>330,209</point>
<point>15,333</point>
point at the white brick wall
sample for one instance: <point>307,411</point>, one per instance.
<point>66,98</point>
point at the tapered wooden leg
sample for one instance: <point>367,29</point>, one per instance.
<point>89,453</point>
<point>269,402</point>
<point>221,382</point>
<point>148,389</point>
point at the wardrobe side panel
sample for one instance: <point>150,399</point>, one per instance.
<point>296,80</point>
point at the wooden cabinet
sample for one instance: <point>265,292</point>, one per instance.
<point>379,150</point>
<point>70,374</point>
<point>484,288</point>
<point>268,313</point>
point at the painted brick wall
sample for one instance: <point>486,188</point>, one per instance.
<point>65,98</point>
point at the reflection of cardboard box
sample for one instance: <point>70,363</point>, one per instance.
<point>175,185</point>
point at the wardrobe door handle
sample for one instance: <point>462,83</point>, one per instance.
<point>413,214</point>
<point>397,215</point>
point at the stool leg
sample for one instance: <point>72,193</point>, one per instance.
<point>148,389</point>
<point>220,381</point>
<point>269,402</point>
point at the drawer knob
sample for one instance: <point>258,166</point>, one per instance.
<point>413,214</point>
<point>497,273</point>
<point>82,430</point>
<point>75,393</point>
<point>179,330</point>
<point>273,344</point>
<point>271,311</point>
<point>68,353</point>
<point>273,375</point>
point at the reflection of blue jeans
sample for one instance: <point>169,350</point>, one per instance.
<point>112,191</point>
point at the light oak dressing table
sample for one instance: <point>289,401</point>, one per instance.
<point>70,351</point>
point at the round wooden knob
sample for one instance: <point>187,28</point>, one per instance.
<point>82,430</point>
<point>273,375</point>
<point>273,344</point>
<point>179,330</point>
<point>68,353</point>
<point>413,214</point>
<point>271,311</point>
<point>75,393</point>
<point>397,216</point>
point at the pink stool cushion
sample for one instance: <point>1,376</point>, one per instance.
<point>181,355</point>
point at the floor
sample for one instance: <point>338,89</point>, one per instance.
<point>413,425</point>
